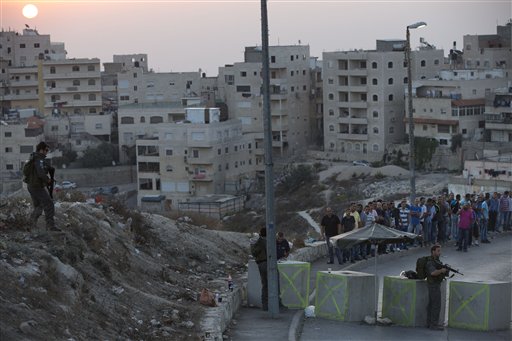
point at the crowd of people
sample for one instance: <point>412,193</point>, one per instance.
<point>466,220</point>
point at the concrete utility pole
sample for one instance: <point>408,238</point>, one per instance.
<point>273,301</point>
<point>412,155</point>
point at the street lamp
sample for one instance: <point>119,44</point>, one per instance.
<point>409,103</point>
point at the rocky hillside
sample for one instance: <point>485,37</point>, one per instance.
<point>110,274</point>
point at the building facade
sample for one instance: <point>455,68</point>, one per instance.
<point>363,97</point>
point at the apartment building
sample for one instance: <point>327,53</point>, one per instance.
<point>141,120</point>
<point>453,104</point>
<point>498,114</point>
<point>71,86</point>
<point>240,87</point>
<point>200,156</point>
<point>20,55</point>
<point>18,138</point>
<point>363,97</point>
<point>489,51</point>
<point>21,90</point>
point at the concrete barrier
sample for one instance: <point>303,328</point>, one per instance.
<point>253,285</point>
<point>405,301</point>
<point>480,305</point>
<point>344,295</point>
<point>294,283</point>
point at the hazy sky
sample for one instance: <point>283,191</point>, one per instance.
<point>188,35</point>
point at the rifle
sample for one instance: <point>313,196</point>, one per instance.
<point>449,268</point>
<point>51,171</point>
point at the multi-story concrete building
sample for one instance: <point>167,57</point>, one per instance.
<point>364,97</point>
<point>71,86</point>
<point>240,87</point>
<point>489,51</point>
<point>22,88</point>
<point>139,120</point>
<point>197,157</point>
<point>453,104</point>
<point>498,114</point>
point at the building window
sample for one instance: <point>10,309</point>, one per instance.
<point>98,126</point>
<point>405,80</point>
<point>375,114</point>
<point>331,97</point>
<point>75,68</point>
<point>423,63</point>
<point>8,149</point>
<point>272,60</point>
<point>331,128</point>
<point>76,97</point>
<point>390,98</point>
<point>26,149</point>
<point>331,112</point>
<point>375,147</point>
<point>127,120</point>
<point>91,82</point>
<point>9,166</point>
<point>374,65</point>
<point>92,97</point>
<point>443,129</point>
<point>52,69</point>
<point>464,131</point>
<point>375,81</point>
<point>219,151</point>
<point>145,184</point>
<point>362,64</point>
<point>92,110</point>
<point>375,130</point>
<point>425,127</point>
<point>156,119</point>
<point>90,68</point>
<point>55,98</point>
<point>124,98</point>
<point>22,46</point>
<point>36,45</point>
<point>243,73</point>
<point>391,130</point>
<point>443,142</point>
<point>76,82</point>
<point>330,80</point>
<point>390,81</point>
<point>8,134</point>
<point>436,62</point>
<point>390,65</point>
<point>375,98</point>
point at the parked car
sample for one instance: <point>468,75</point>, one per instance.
<point>105,191</point>
<point>361,163</point>
<point>66,185</point>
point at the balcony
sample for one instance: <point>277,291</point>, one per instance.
<point>199,161</point>
<point>201,177</point>
<point>357,120</point>
<point>73,75</point>
<point>72,89</point>
<point>353,137</point>
<point>20,97</point>
<point>24,83</point>
<point>498,118</point>
<point>72,104</point>
<point>359,104</point>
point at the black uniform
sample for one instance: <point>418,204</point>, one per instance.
<point>434,292</point>
<point>36,185</point>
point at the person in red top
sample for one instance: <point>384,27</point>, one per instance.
<point>466,218</point>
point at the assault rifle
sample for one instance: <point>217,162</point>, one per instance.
<point>449,268</point>
<point>51,171</point>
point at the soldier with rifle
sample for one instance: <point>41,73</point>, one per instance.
<point>40,179</point>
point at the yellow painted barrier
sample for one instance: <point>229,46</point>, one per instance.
<point>294,283</point>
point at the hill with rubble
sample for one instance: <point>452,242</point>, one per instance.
<point>110,274</point>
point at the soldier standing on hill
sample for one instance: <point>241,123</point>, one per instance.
<point>37,181</point>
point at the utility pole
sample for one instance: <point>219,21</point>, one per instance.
<point>273,301</point>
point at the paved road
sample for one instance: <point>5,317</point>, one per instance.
<point>489,261</point>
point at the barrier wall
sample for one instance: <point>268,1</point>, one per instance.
<point>344,295</point>
<point>480,305</point>
<point>405,301</point>
<point>253,285</point>
<point>294,283</point>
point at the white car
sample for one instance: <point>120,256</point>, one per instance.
<point>361,163</point>
<point>66,185</point>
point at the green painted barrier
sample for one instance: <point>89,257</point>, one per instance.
<point>294,283</point>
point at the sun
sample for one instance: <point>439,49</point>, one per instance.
<point>30,11</point>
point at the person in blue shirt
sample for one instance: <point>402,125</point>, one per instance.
<point>415,216</point>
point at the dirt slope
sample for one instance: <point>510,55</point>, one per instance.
<point>108,276</point>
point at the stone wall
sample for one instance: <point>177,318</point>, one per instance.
<point>93,177</point>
